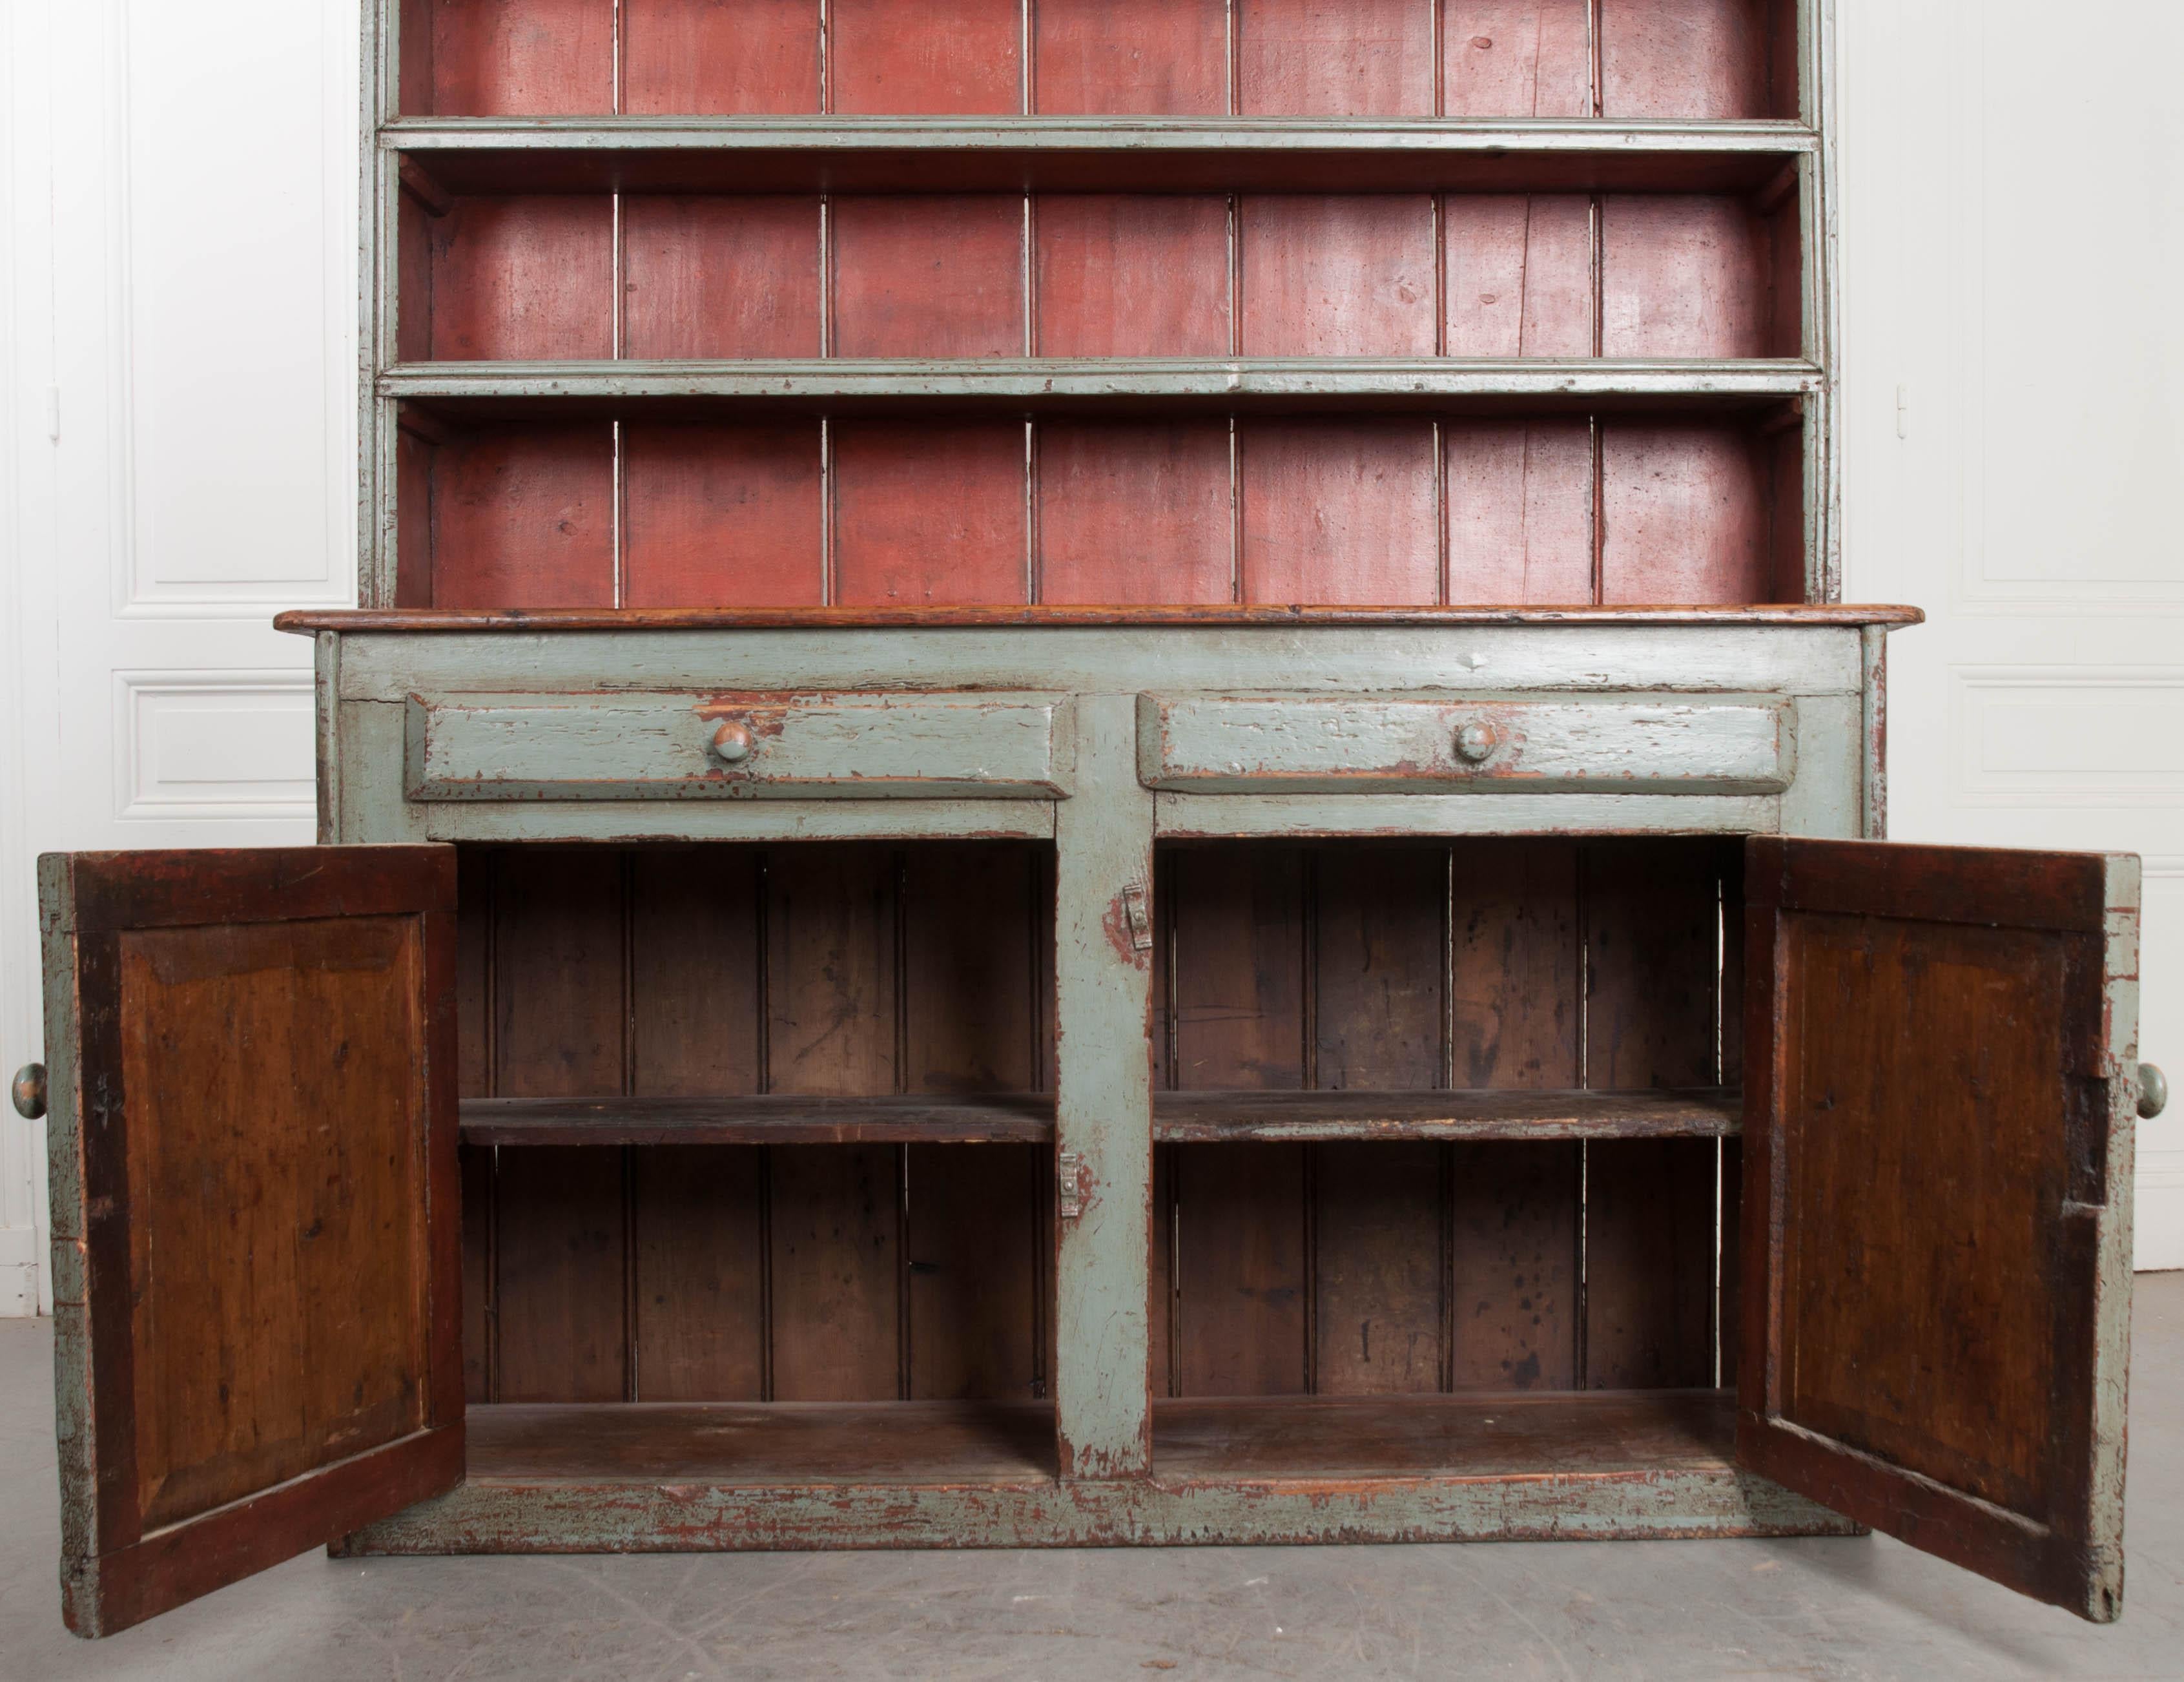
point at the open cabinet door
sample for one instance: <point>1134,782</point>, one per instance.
<point>256,1250</point>
<point>1939,1091</point>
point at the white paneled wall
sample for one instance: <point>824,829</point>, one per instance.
<point>2013,382</point>
<point>177,188</point>
<point>181,349</point>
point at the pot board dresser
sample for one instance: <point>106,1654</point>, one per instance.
<point>1101,784</point>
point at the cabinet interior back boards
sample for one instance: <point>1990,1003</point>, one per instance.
<point>1100,782</point>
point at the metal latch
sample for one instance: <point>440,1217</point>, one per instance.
<point>1073,1182</point>
<point>1140,920</point>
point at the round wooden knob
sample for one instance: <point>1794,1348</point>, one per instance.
<point>1475,740</point>
<point>734,742</point>
<point>2152,1090</point>
<point>29,1091</point>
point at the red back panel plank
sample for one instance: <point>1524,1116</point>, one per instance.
<point>971,974</point>
<point>722,516</point>
<point>1520,511</point>
<point>1654,921</point>
<point>1241,1267</point>
<point>700,1322</point>
<point>1520,280</point>
<point>1240,1026</point>
<point>929,513</point>
<point>1134,512</point>
<point>523,278</point>
<point>1334,58</point>
<point>1164,58</point>
<point>559,1013</point>
<point>523,57</point>
<point>831,1002</point>
<point>1685,59</point>
<point>943,57</point>
<point>1649,1257</point>
<point>720,277</point>
<point>929,277</point>
<point>1335,275</point>
<point>720,57</point>
<point>1340,511</point>
<point>1516,59</point>
<point>836,1267</point>
<point>1686,518</point>
<point>1135,275</point>
<point>1379,1020</point>
<point>1685,275</point>
<point>1514,921</point>
<point>523,517</point>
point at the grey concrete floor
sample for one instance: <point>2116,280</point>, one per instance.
<point>1867,1607</point>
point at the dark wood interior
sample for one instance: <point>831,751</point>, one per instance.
<point>1616,59</point>
<point>894,1003</point>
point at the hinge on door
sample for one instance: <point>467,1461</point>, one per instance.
<point>1072,1183</point>
<point>1140,920</point>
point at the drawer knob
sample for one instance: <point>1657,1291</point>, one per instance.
<point>734,742</point>
<point>2152,1090</point>
<point>29,1091</point>
<point>1474,741</point>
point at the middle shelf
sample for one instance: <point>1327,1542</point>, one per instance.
<point>1026,384</point>
<point>1179,1118</point>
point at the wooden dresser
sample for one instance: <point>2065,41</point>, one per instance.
<point>1101,784</point>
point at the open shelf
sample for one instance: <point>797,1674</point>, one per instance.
<point>1047,384</point>
<point>999,1119</point>
<point>888,1442</point>
<point>1258,1439</point>
<point>1027,1118</point>
<point>1468,1436</point>
<point>1213,1118</point>
<point>971,154</point>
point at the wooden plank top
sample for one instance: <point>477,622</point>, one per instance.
<point>1216,1117</point>
<point>1222,616</point>
<point>1029,1118</point>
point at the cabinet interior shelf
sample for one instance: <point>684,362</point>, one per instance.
<point>1020,384</point>
<point>987,154</point>
<point>1012,1443</point>
<point>1027,1118</point>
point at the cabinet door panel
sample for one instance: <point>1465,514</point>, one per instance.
<point>1941,1076</point>
<point>256,1208</point>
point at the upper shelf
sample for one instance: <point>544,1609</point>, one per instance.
<point>965,154</point>
<point>1046,382</point>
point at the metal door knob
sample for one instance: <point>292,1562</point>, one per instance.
<point>29,1091</point>
<point>2152,1090</point>
<point>1475,740</point>
<point>732,742</point>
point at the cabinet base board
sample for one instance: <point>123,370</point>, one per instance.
<point>508,1516</point>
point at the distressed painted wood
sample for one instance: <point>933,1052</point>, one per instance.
<point>1219,1117</point>
<point>1924,1017</point>
<point>730,746</point>
<point>1242,744</point>
<point>1158,154</point>
<point>255,1239</point>
<point>1015,384</point>
<point>1022,1118</point>
<point>1103,1063</point>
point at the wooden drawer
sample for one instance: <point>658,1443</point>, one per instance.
<point>1217,744</point>
<point>701,746</point>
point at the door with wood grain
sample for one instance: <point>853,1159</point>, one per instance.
<point>256,1208</point>
<point>1939,1093</point>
